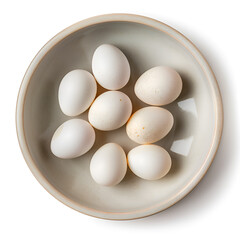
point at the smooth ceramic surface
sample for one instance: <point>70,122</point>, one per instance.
<point>192,143</point>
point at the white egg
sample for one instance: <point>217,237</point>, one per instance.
<point>108,165</point>
<point>110,67</point>
<point>158,86</point>
<point>72,139</point>
<point>76,92</point>
<point>150,162</point>
<point>149,124</point>
<point>110,111</point>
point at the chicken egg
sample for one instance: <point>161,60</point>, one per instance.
<point>108,165</point>
<point>110,111</point>
<point>72,139</point>
<point>149,124</point>
<point>110,67</point>
<point>76,92</point>
<point>158,86</point>
<point>150,162</point>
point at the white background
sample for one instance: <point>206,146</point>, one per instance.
<point>211,211</point>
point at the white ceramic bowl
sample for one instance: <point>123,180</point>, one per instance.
<point>192,143</point>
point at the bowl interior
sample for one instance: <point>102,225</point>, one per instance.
<point>188,142</point>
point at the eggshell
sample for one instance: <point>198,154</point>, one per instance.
<point>150,162</point>
<point>72,139</point>
<point>158,86</point>
<point>108,165</point>
<point>110,111</point>
<point>110,67</point>
<point>77,91</point>
<point>149,124</point>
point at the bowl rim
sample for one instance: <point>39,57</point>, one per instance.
<point>120,17</point>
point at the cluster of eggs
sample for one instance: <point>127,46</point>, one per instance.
<point>111,110</point>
